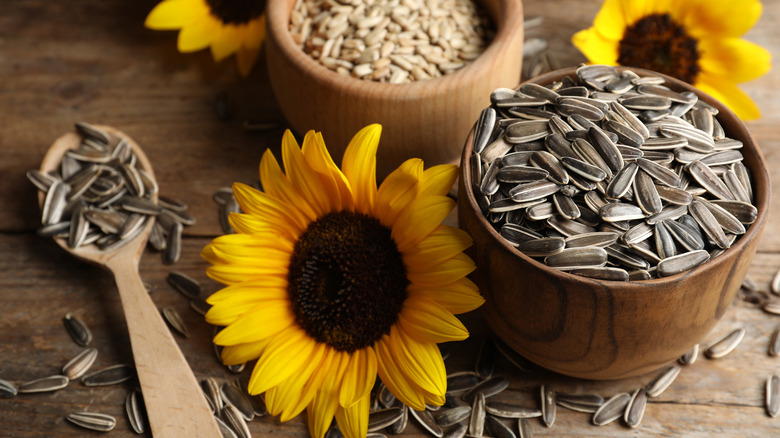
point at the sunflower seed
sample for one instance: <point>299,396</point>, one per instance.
<point>79,365</point>
<point>508,410</point>
<point>639,275</point>
<point>543,247</point>
<point>525,429</point>
<point>636,408</point>
<point>211,391</point>
<point>620,211</point>
<point>233,418</point>
<point>112,375</point>
<point>726,220</point>
<point>735,187</point>
<point>497,429</point>
<point>659,173</point>
<point>774,343</point>
<point>533,191</point>
<point>571,258</point>
<point>600,239</point>
<point>773,396</point>
<point>708,223</point>
<point>457,383</point>
<point>185,284</point>
<point>725,345</point>
<point>625,259</point>
<point>227,432</point>
<point>457,431</point>
<point>451,416</point>
<point>568,227</point>
<point>611,410</point>
<point>77,330</point>
<point>400,426</point>
<point>54,203</point>
<point>175,321</point>
<point>136,413</point>
<point>382,418</point>
<point>45,384</point>
<point>173,245</point>
<point>669,212</point>
<point>484,128</point>
<point>690,239</point>
<point>477,421</point>
<point>525,131</point>
<point>602,273</point>
<point>549,163</point>
<point>232,395</point>
<point>90,131</point>
<point>516,234</point>
<point>707,178</point>
<point>487,388</point>
<point>690,357</point>
<point>92,421</point>
<point>7,390</point>
<point>489,184</point>
<point>558,146</point>
<point>540,211</point>
<point>673,195</point>
<point>646,102</point>
<point>664,243</point>
<point>548,405</point>
<point>588,403</point>
<point>585,108</point>
<point>682,262</point>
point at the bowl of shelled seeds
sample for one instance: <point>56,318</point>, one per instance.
<point>422,69</point>
<point>614,213</point>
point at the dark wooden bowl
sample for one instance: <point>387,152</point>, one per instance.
<point>606,329</point>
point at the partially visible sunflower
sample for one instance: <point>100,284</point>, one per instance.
<point>227,26</point>
<point>331,281</point>
<point>697,41</point>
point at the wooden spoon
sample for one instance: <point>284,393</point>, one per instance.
<point>175,404</point>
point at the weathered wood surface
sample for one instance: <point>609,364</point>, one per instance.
<point>92,60</point>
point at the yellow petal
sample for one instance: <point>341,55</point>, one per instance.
<point>396,381</point>
<point>610,21</point>
<point>285,397</point>
<point>226,42</point>
<point>427,321</point>
<point>359,166</point>
<point>328,366</point>
<point>459,297</point>
<point>353,420</point>
<point>729,94</point>
<point>198,34</point>
<point>438,180</point>
<point>255,33</point>
<point>276,184</point>
<point>359,377</point>
<point>326,401</point>
<point>398,190</point>
<point>260,322</point>
<point>733,59</point>
<point>270,287</point>
<point>232,274</point>
<point>335,183</point>
<point>284,356</point>
<point>242,353</point>
<point>270,208</point>
<point>421,362</point>
<point>717,18</point>
<point>175,14</point>
<point>419,219</point>
<point>246,59</point>
<point>444,273</point>
<point>596,48</point>
<point>248,224</point>
<point>249,243</point>
<point>442,244</point>
<point>302,176</point>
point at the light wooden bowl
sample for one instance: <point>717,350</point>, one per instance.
<point>424,119</point>
<point>605,329</point>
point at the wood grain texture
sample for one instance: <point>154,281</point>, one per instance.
<point>92,60</point>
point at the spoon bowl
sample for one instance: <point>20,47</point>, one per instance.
<point>174,401</point>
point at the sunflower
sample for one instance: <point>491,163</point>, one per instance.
<point>227,26</point>
<point>331,281</point>
<point>697,41</point>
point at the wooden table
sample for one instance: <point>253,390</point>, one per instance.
<point>92,60</point>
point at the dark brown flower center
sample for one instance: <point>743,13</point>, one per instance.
<point>236,11</point>
<point>347,280</point>
<point>658,43</point>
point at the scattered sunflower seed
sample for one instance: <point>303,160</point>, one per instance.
<point>45,384</point>
<point>77,330</point>
<point>92,421</point>
<point>112,375</point>
<point>725,345</point>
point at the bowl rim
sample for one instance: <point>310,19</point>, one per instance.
<point>506,15</point>
<point>761,197</point>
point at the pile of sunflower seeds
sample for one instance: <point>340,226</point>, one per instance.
<point>395,41</point>
<point>610,175</point>
<point>100,195</point>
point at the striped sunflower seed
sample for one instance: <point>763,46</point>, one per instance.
<point>635,410</point>
<point>77,330</point>
<point>571,258</point>
<point>136,412</point>
<point>548,405</point>
<point>7,390</point>
<point>497,429</point>
<point>611,410</point>
<point>112,375</point>
<point>233,395</point>
<point>725,345</point>
<point>45,384</point>
<point>663,381</point>
<point>487,388</point>
<point>773,396</point>
<point>382,418</point>
<point>774,343</point>
<point>92,421</point>
<point>448,417</point>
<point>477,420</point>
<point>175,321</point>
<point>690,357</point>
<point>80,364</point>
<point>508,410</point>
<point>682,262</point>
<point>233,418</point>
<point>185,284</point>
<point>457,431</point>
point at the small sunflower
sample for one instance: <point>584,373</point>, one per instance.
<point>227,26</point>
<point>697,41</point>
<point>331,281</point>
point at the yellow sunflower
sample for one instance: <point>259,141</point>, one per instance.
<point>331,281</point>
<point>227,26</point>
<point>697,41</point>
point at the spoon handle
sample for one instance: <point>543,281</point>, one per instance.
<point>175,404</point>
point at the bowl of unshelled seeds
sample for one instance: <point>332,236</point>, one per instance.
<point>614,213</point>
<point>423,70</point>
